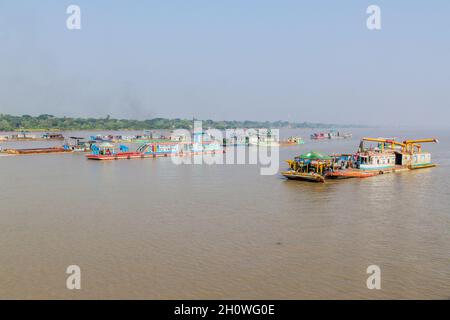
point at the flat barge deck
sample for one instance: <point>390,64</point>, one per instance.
<point>36,151</point>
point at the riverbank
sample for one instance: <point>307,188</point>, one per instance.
<point>50,122</point>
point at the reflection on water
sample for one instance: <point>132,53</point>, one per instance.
<point>150,229</point>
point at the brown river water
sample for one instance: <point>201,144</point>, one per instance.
<point>150,229</point>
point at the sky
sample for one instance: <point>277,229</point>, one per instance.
<point>294,60</point>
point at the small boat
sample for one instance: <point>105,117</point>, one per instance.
<point>52,136</point>
<point>76,144</point>
<point>292,141</point>
<point>100,138</point>
<point>333,134</point>
<point>319,136</point>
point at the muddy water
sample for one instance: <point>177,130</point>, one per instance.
<point>152,229</point>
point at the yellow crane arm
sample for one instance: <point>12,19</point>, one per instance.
<point>411,144</point>
<point>420,141</point>
<point>390,141</point>
<point>375,139</point>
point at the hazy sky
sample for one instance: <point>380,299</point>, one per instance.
<point>228,59</point>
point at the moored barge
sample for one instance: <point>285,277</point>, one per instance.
<point>153,150</point>
<point>37,151</point>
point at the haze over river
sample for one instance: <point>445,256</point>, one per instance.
<point>151,229</point>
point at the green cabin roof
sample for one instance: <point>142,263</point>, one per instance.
<point>313,155</point>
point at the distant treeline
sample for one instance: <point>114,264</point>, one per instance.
<point>49,122</point>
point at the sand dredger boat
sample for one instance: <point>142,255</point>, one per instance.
<point>108,151</point>
<point>387,157</point>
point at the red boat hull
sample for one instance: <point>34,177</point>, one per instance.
<point>351,173</point>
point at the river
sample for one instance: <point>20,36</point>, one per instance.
<point>150,229</point>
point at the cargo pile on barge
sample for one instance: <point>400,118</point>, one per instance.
<point>36,151</point>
